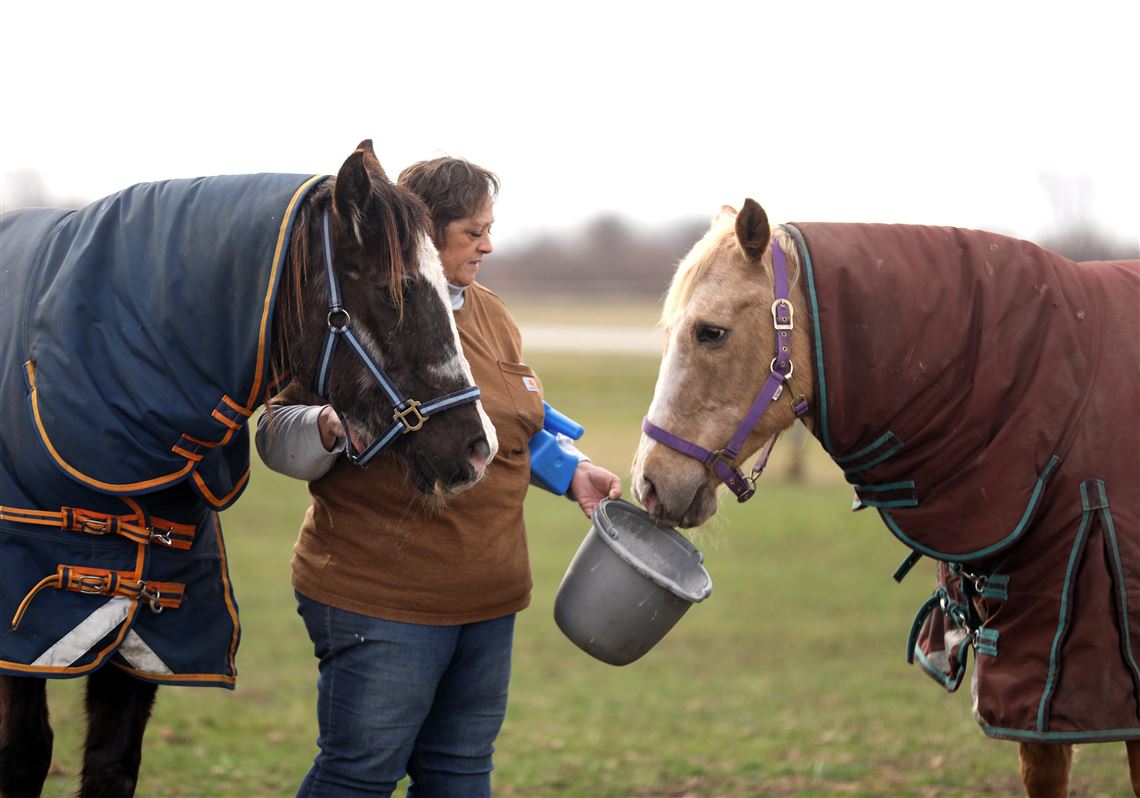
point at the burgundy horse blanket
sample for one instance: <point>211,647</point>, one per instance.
<point>983,394</point>
<point>135,347</point>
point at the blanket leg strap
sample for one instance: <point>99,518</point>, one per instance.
<point>134,527</point>
<point>103,582</point>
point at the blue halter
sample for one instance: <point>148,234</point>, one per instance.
<point>409,414</point>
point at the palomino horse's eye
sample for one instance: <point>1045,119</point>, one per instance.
<point>710,335</point>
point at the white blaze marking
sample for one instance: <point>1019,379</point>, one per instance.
<point>432,268</point>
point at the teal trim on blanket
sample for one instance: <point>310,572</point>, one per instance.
<point>950,684</point>
<point>866,450</point>
<point>813,299</point>
<point>1122,596</point>
<point>996,586</point>
<point>907,497</point>
<point>889,453</point>
<point>1030,508</point>
<point>986,641</point>
<point>1021,735</point>
<point>1063,614</point>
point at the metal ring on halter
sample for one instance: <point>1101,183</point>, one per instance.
<point>791,368</point>
<point>338,312</point>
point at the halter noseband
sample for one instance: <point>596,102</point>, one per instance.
<point>722,462</point>
<point>409,414</point>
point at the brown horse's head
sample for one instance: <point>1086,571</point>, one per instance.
<point>393,290</point>
<point>720,340</point>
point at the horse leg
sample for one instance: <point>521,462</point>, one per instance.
<point>1134,765</point>
<point>118,708</point>
<point>25,736</point>
<point>1045,769</point>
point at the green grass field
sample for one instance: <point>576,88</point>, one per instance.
<point>790,680</point>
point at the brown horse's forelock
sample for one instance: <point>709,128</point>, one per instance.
<point>404,223</point>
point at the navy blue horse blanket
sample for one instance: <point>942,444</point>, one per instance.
<point>134,347</point>
<point>983,394</point>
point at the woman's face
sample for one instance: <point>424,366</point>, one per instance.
<point>465,243</point>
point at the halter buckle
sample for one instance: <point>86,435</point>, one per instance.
<point>719,456</point>
<point>402,416</point>
<point>790,324</point>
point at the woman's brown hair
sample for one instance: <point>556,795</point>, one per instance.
<point>452,188</point>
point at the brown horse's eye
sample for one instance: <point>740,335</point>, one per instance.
<point>711,335</point>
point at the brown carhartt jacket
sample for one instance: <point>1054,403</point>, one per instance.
<point>370,544</point>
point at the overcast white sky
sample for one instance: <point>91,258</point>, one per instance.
<point>981,114</point>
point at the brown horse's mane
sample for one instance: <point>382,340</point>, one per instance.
<point>402,228</point>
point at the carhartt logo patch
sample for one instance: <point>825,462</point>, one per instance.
<point>530,383</point>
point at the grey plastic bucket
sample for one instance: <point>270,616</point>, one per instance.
<point>629,583</point>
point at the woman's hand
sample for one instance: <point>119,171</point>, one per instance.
<point>590,484</point>
<point>330,427</point>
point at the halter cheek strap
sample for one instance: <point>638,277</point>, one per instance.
<point>722,462</point>
<point>409,415</point>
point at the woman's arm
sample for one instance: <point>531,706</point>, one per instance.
<point>299,441</point>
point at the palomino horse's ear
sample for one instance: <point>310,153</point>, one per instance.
<point>355,180</point>
<point>752,230</point>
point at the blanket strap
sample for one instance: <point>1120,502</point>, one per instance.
<point>103,582</point>
<point>133,526</point>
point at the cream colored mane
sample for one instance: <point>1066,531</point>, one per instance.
<point>693,267</point>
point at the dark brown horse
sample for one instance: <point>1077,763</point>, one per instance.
<point>138,395</point>
<point>981,394</point>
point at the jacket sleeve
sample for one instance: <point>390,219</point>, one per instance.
<point>289,442</point>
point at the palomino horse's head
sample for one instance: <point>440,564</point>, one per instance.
<point>372,332</point>
<point>721,337</point>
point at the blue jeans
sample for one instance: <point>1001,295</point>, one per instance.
<point>402,698</point>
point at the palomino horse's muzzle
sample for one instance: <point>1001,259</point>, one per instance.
<point>722,462</point>
<point>409,414</point>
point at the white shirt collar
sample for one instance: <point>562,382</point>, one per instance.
<point>456,292</point>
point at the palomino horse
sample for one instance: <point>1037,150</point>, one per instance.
<point>139,335</point>
<point>982,394</point>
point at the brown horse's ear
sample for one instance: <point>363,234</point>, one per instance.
<point>752,230</point>
<point>355,180</point>
<point>371,162</point>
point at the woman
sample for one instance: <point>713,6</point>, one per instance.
<point>411,609</point>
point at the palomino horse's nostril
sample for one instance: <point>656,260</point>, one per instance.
<point>649,496</point>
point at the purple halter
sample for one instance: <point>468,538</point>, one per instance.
<point>723,461</point>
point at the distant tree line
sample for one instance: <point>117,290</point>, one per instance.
<point>610,257</point>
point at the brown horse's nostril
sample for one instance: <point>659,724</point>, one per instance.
<point>479,452</point>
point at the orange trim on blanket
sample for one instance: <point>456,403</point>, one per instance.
<point>227,591</point>
<point>278,257</point>
<point>229,422</point>
<point>236,407</point>
<point>90,522</point>
<point>96,663</point>
<point>176,678</point>
<point>178,450</point>
<point>109,487</point>
<point>209,496</point>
